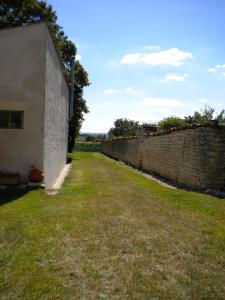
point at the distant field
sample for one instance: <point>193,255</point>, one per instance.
<point>88,146</point>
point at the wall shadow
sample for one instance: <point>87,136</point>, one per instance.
<point>11,194</point>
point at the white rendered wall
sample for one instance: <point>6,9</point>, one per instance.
<point>56,116</point>
<point>22,67</point>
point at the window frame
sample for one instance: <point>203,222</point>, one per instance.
<point>10,118</point>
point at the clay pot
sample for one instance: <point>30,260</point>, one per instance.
<point>36,175</point>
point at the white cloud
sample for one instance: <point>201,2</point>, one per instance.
<point>220,66</point>
<point>78,57</point>
<point>218,69</point>
<point>212,70</point>
<point>110,92</point>
<point>175,77</point>
<point>130,90</point>
<point>203,100</point>
<point>94,124</point>
<point>220,104</point>
<point>161,102</point>
<point>108,102</point>
<point>160,110</point>
<point>102,105</point>
<point>152,47</point>
<point>132,58</point>
<point>173,57</point>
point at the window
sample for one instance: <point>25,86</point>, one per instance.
<point>11,119</point>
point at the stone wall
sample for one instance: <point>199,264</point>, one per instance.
<point>193,157</point>
<point>126,150</point>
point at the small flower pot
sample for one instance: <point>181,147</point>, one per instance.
<point>36,175</point>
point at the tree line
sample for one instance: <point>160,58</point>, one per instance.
<point>94,137</point>
<point>125,127</point>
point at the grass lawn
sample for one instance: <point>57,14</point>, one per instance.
<point>111,234</point>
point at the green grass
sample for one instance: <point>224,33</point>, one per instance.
<point>88,146</point>
<point>111,234</point>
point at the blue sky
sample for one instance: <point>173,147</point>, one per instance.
<point>147,59</point>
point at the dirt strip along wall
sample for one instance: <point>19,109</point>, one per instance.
<point>193,158</point>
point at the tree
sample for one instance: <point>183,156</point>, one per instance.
<point>199,117</point>
<point>170,122</point>
<point>205,115</point>
<point>25,12</point>
<point>124,127</point>
<point>80,107</point>
<point>221,116</point>
<point>90,138</point>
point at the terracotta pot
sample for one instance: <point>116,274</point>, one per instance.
<point>36,175</point>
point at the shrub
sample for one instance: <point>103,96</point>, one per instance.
<point>170,122</point>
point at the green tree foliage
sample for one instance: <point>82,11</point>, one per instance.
<point>203,116</point>
<point>25,12</point>
<point>221,116</point>
<point>90,138</point>
<point>124,127</point>
<point>199,117</point>
<point>80,107</point>
<point>170,122</point>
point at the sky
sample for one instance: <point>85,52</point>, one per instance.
<point>147,59</point>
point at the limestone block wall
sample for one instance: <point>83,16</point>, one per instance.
<point>125,150</point>
<point>194,158</point>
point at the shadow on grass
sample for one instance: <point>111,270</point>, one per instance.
<point>71,158</point>
<point>11,194</point>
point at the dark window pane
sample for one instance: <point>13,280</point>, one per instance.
<point>11,119</point>
<point>16,119</point>
<point>4,119</point>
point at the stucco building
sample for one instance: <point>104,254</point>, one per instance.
<point>33,103</point>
